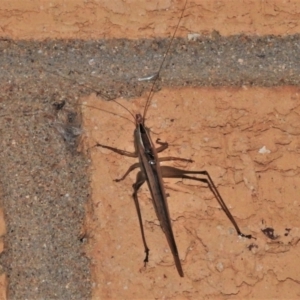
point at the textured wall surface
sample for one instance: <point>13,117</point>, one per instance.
<point>228,98</point>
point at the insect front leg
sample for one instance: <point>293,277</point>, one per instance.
<point>122,152</point>
<point>171,172</point>
<point>168,158</point>
<point>164,146</point>
<point>119,151</point>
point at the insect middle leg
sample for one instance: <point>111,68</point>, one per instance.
<point>137,165</point>
<point>122,152</point>
<point>164,145</point>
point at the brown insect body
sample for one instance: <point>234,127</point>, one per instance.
<point>151,172</point>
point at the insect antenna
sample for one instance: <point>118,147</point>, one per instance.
<point>97,93</point>
<point>124,108</point>
<point>151,93</point>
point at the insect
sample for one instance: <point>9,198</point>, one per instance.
<point>149,164</point>
<point>153,173</point>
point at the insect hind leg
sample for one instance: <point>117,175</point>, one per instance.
<point>171,172</point>
<point>140,179</point>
